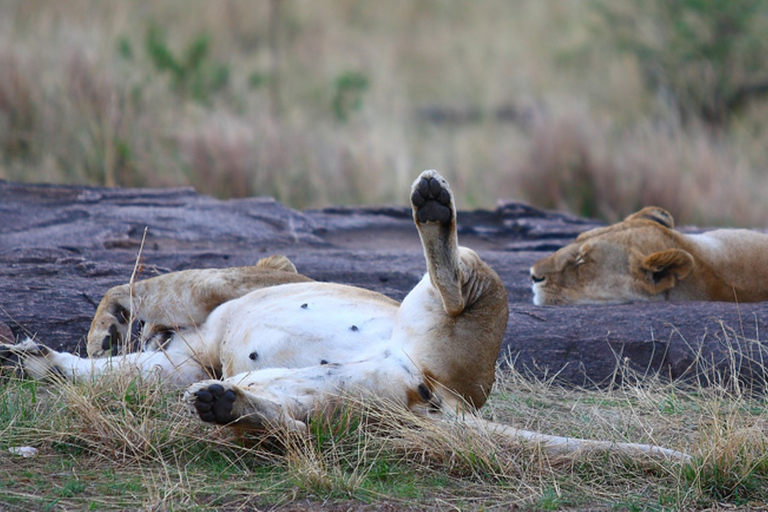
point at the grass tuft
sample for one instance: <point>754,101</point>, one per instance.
<point>123,443</point>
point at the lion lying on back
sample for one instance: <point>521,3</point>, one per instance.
<point>263,346</point>
<point>644,258</point>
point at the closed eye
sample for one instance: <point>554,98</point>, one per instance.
<point>580,260</point>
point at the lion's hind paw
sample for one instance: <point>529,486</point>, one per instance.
<point>432,199</point>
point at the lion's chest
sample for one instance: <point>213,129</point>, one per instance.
<point>295,326</point>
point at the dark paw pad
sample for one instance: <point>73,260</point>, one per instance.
<point>214,404</point>
<point>432,201</point>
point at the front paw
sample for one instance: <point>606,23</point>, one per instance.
<point>28,347</point>
<point>214,403</point>
<point>221,403</point>
<point>31,357</point>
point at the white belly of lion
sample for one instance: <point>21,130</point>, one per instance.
<point>299,325</point>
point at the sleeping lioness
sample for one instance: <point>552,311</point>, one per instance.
<point>643,258</point>
<point>263,346</point>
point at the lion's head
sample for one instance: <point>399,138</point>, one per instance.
<point>640,258</point>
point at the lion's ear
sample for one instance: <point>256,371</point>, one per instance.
<point>660,271</point>
<point>655,214</point>
<point>277,262</point>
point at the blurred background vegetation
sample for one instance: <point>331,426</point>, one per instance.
<point>596,107</point>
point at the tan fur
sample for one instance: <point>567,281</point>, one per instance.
<point>181,299</point>
<point>264,345</point>
<point>643,258</point>
<point>441,250</point>
<point>455,358</point>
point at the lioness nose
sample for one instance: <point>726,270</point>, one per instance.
<point>537,279</point>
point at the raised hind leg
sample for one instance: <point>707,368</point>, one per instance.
<point>434,213</point>
<point>459,343</point>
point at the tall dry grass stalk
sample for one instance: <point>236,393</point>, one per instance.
<point>547,117</point>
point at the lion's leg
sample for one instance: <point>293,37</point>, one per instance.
<point>459,343</point>
<point>177,365</point>
<point>179,299</point>
<point>289,397</point>
<point>434,213</point>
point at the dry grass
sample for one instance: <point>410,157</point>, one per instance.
<point>572,166</point>
<point>127,444</point>
<point>533,107</point>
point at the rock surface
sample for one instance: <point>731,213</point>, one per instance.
<point>62,247</point>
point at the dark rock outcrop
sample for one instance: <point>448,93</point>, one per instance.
<point>62,247</point>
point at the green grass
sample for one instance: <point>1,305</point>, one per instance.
<point>128,445</point>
